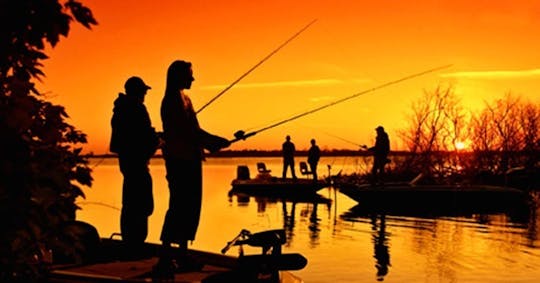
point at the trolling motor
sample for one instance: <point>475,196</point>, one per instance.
<point>266,266</point>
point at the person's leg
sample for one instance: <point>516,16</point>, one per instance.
<point>379,170</point>
<point>185,192</point>
<point>137,199</point>
<point>286,165</point>
<point>313,168</point>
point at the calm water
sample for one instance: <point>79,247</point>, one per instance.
<point>341,246</point>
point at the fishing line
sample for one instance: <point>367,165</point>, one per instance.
<point>256,65</point>
<point>241,135</point>
<point>345,140</point>
<point>102,158</point>
<point>98,203</point>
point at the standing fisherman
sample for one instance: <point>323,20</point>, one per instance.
<point>380,154</point>
<point>135,141</point>
<point>184,142</point>
<point>314,154</point>
<point>288,151</point>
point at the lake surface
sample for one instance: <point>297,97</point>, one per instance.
<point>340,244</point>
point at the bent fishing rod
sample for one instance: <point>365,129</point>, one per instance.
<point>255,66</point>
<point>241,135</point>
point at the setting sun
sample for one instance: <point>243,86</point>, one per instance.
<point>460,145</point>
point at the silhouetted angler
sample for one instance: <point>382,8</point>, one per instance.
<point>380,246</point>
<point>183,153</point>
<point>380,154</point>
<point>288,151</point>
<point>135,141</point>
<point>314,154</point>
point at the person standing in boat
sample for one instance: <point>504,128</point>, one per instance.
<point>380,150</point>
<point>135,141</point>
<point>314,154</point>
<point>288,151</point>
<point>183,151</point>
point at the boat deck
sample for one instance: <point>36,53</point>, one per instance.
<point>129,271</point>
<point>110,260</point>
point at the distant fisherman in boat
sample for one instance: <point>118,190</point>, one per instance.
<point>135,141</point>
<point>380,154</point>
<point>288,150</point>
<point>183,153</point>
<point>314,154</point>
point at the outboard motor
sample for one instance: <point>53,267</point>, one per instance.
<point>242,172</point>
<point>266,266</point>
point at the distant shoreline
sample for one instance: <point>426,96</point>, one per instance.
<point>269,153</point>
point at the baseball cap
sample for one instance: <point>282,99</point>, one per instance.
<point>135,83</point>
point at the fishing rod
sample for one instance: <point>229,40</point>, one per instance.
<point>256,65</point>
<point>241,135</point>
<point>345,140</point>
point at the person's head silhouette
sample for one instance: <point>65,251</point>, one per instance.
<point>135,86</point>
<point>180,75</point>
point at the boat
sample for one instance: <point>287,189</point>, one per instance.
<point>432,197</point>
<point>264,184</point>
<point>110,260</point>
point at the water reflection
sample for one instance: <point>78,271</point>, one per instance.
<point>308,212</point>
<point>380,246</point>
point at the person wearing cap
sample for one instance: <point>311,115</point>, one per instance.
<point>380,154</point>
<point>183,151</point>
<point>135,141</point>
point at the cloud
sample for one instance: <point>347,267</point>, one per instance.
<point>494,74</point>
<point>321,82</point>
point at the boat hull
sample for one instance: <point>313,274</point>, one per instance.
<point>433,197</point>
<point>274,186</point>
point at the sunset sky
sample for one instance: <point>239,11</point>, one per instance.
<point>353,46</point>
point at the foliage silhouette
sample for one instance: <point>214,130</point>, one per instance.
<point>41,166</point>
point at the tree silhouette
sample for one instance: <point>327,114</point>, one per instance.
<point>437,121</point>
<point>41,166</point>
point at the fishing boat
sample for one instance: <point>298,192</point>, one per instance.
<point>109,260</point>
<point>264,184</point>
<point>432,197</point>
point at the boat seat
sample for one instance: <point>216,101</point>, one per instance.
<point>304,169</point>
<point>261,168</point>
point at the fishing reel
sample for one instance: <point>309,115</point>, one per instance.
<point>240,135</point>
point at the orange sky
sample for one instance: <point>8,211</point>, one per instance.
<point>354,45</point>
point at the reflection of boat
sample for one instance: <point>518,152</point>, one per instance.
<point>109,260</point>
<point>519,213</point>
<point>301,197</point>
<point>391,196</point>
<point>268,185</point>
<point>307,206</point>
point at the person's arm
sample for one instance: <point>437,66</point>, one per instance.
<point>212,142</point>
